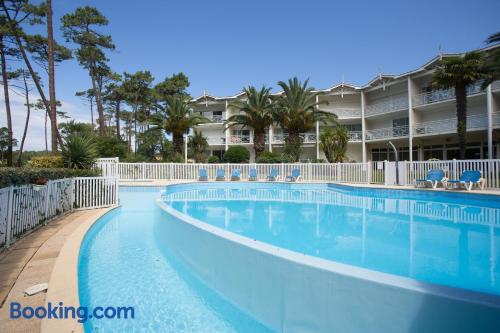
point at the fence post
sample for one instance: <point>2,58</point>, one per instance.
<point>143,171</point>
<point>454,166</point>
<point>10,207</point>
<point>47,200</point>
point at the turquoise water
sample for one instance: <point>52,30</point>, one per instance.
<point>122,264</point>
<point>448,239</point>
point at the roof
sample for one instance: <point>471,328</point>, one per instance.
<point>376,81</point>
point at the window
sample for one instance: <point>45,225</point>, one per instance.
<point>218,153</point>
<point>353,127</point>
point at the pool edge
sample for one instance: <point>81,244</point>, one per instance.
<point>63,282</point>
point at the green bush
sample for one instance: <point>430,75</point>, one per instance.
<point>236,154</point>
<point>79,152</point>
<point>268,157</point>
<point>47,161</point>
<point>111,146</point>
<point>213,159</point>
<point>135,158</point>
<point>22,176</point>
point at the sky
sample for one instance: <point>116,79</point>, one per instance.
<point>224,45</point>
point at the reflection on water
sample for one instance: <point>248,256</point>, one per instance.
<point>444,241</point>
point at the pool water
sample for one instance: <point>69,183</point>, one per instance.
<point>122,263</point>
<point>445,238</point>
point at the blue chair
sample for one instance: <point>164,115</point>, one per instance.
<point>434,177</point>
<point>235,174</point>
<point>295,176</point>
<point>221,174</point>
<point>273,175</point>
<point>203,175</point>
<point>468,179</point>
<point>252,175</point>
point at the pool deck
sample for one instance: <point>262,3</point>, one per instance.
<point>30,261</point>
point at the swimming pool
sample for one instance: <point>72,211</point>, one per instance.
<point>250,257</point>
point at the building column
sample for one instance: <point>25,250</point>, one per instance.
<point>363,127</point>
<point>410,119</point>
<point>226,131</point>
<point>490,106</point>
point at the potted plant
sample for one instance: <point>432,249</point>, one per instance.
<point>39,183</point>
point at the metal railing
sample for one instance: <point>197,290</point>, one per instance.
<point>346,112</point>
<point>387,133</point>
<point>306,138</point>
<point>387,104</point>
<point>449,125</point>
<point>355,136</point>
<point>239,138</point>
<point>215,118</point>
<point>444,94</point>
<point>212,140</point>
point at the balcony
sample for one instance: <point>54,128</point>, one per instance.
<point>344,113</point>
<point>387,133</point>
<point>355,136</point>
<point>240,139</point>
<point>387,104</point>
<point>306,138</point>
<point>214,118</point>
<point>213,140</point>
<point>449,125</point>
<point>444,94</point>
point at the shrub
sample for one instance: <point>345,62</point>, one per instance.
<point>22,176</point>
<point>236,154</point>
<point>47,161</point>
<point>79,152</point>
<point>135,158</point>
<point>213,159</point>
<point>111,146</point>
<point>268,157</point>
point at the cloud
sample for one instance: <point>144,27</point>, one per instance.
<point>35,138</point>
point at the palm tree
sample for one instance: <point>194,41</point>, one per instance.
<point>334,141</point>
<point>296,112</point>
<point>176,118</point>
<point>492,61</point>
<point>459,72</point>
<point>198,144</point>
<point>256,112</point>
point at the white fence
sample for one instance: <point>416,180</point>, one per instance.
<point>336,172</point>
<point>23,208</point>
<point>382,172</point>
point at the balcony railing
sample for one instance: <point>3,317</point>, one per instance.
<point>387,104</point>
<point>306,138</point>
<point>449,125</point>
<point>444,94</point>
<point>355,136</point>
<point>386,133</point>
<point>346,112</point>
<point>215,118</point>
<point>240,138</point>
<point>216,140</point>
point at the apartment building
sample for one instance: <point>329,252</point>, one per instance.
<point>404,109</point>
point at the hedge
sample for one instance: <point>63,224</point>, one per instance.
<point>23,176</point>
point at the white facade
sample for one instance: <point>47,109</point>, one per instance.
<point>404,109</point>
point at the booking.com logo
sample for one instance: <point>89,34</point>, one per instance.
<point>60,311</point>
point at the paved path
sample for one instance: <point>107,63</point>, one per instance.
<point>30,261</point>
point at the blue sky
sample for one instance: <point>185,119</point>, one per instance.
<point>225,45</point>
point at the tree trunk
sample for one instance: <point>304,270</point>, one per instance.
<point>98,102</point>
<point>461,100</point>
<point>28,65</point>
<point>178,143</point>
<point>46,141</point>
<point>293,145</point>
<point>259,143</point>
<point>52,87</point>
<point>28,112</point>
<point>92,113</point>
<point>5,82</point>
<point>117,115</point>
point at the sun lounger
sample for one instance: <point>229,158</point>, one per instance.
<point>295,176</point>
<point>235,174</point>
<point>221,175</point>
<point>273,175</point>
<point>434,178</point>
<point>468,179</point>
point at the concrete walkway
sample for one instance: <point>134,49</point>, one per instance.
<point>30,261</point>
